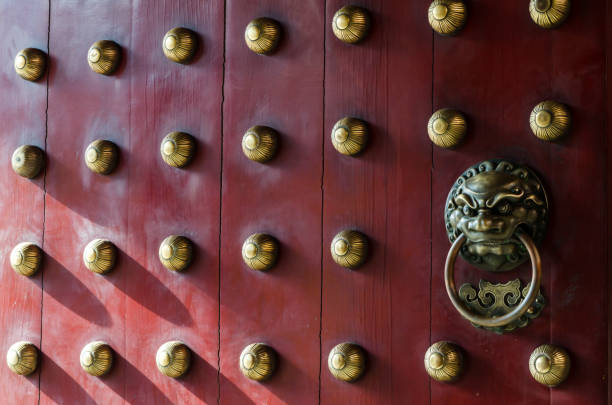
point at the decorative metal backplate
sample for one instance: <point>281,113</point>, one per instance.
<point>549,365</point>
<point>104,57</point>
<point>258,361</point>
<point>351,24</point>
<point>180,44</point>
<point>96,358</point>
<point>493,300</point>
<point>30,64</point>
<point>262,35</point>
<point>487,203</point>
<point>549,13</point>
<point>444,361</point>
<point>346,361</point>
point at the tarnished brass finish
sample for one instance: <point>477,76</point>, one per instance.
<point>549,365</point>
<point>26,258</point>
<point>550,120</point>
<point>492,300</point>
<point>30,64</point>
<point>349,249</point>
<point>22,358</point>
<point>350,136</point>
<point>259,143</point>
<point>446,128</point>
<point>444,361</point>
<point>96,358</point>
<point>346,362</point>
<point>180,44</point>
<point>499,320</point>
<point>258,361</point>
<point>351,24</point>
<point>260,251</point>
<point>549,13</point>
<point>175,252</point>
<point>488,203</point>
<point>104,57</point>
<point>177,149</point>
<point>447,17</point>
<point>101,156</point>
<point>28,161</point>
<point>262,35</point>
<point>173,359</point>
<point>100,256</point>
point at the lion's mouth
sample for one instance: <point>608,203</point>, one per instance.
<point>501,247</point>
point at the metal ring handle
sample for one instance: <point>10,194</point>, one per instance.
<point>534,288</point>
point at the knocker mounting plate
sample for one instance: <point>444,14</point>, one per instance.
<point>489,203</point>
<point>492,300</point>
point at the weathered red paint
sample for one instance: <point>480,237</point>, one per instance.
<point>394,306</point>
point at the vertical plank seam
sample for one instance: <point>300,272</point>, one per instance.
<point>431,154</point>
<point>42,273</point>
<point>322,204</point>
<point>221,204</point>
<point>607,192</point>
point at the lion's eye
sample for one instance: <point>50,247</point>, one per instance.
<point>516,190</point>
<point>468,211</point>
<point>503,208</point>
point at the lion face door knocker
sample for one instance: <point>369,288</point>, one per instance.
<point>496,213</point>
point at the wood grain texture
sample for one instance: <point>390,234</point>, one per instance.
<point>280,307</point>
<point>79,305</point>
<point>21,200</point>
<point>495,71</point>
<point>164,305</point>
<point>384,193</point>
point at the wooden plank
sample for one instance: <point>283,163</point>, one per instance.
<point>164,305</point>
<point>578,227</point>
<point>79,305</point>
<point>280,307</point>
<point>21,200</point>
<point>496,83</point>
<point>384,193</point>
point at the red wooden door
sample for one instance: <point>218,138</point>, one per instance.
<point>395,305</point>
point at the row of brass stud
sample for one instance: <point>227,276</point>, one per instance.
<point>549,121</point>
<point>350,24</point>
<point>549,364</point>
<point>346,361</point>
<point>349,249</point>
<point>448,17</point>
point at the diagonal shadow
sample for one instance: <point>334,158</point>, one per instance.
<point>135,378</point>
<point>68,290</point>
<point>59,385</point>
<point>150,293</point>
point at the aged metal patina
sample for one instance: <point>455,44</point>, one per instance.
<point>488,203</point>
<point>492,300</point>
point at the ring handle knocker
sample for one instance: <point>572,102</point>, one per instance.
<point>519,310</point>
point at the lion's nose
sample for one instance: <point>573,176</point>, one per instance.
<point>486,223</point>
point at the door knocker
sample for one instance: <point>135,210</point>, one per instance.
<point>496,215</point>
